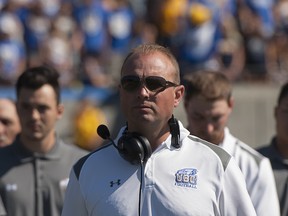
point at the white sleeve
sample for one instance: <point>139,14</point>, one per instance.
<point>264,192</point>
<point>74,203</point>
<point>235,199</point>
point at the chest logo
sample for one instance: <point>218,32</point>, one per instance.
<point>186,178</point>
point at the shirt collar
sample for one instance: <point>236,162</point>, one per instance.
<point>228,141</point>
<point>26,155</point>
<point>183,133</point>
<point>274,154</point>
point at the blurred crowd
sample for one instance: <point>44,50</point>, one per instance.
<point>85,40</point>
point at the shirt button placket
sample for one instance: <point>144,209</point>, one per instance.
<point>39,185</point>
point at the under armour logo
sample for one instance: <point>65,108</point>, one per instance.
<point>11,187</point>
<point>115,182</point>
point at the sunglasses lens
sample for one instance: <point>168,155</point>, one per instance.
<point>155,83</point>
<point>130,83</point>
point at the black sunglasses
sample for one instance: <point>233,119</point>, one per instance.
<point>153,83</point>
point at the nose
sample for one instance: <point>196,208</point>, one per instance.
<point>35,114</point>
<point>209,127</point>
<point>143,91</point>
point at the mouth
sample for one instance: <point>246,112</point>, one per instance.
<point>34,127</point>
<point>143,107</point>
<point>2,138</point>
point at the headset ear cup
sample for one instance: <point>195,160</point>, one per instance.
<point>146,147</point>
<point>134,148</point>
<point>175,132</point>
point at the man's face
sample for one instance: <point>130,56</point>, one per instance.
<point>143,105</point>
<point>281,117</point>
<point>207,119</point>
<point>9,122</point>
<point>38,112</point>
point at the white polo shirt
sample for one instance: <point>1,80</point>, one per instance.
<point>258,175</point>
<point>198,178</point>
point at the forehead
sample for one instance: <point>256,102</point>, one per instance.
<point>44,94</point>
<point>7,109</point>
<point>154,63</point>
<point>200,105</point>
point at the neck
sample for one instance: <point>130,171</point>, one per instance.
<point>155,135</point>
<point>39,146</point>
<point>156,141</point>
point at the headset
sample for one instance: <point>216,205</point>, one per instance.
<point>136,148</point>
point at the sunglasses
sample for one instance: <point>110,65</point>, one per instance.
<point>152,83</point>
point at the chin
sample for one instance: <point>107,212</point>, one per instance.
<point>35,136</point>
<point>141,119</point>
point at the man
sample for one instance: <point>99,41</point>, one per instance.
<point>9,122</point>
<point>277,151</point>
<point>208,105</point>
<point>34,170</point>
<point>154,167</point>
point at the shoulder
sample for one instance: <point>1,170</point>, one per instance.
<point>68,154</point>
<point>220,153</point>
<point>265,150</point>
<point>71,149</point>
<point>6,149</point>
<point>79,164</point>
<point>269,150</point>
<point>248,152</point>
<point>242,152</point>
<point>7,152</point>
<point>10,156</point>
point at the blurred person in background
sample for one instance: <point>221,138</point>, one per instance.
<point>120,26</point>
<point>278,50</point>
<point>91,19</point>
<point>9,122</point>
<point>57,52</point>
<point>12,48</point>
<point>190,28</point>
<point>231,53</point>
<point>34,170</point>
<point>65,32</point>
<point>88,117</point>
<point>37,27</point>
<point>208,105</point>
<point>256,24</point>
<point>277,150</point>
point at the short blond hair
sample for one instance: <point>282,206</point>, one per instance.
<point>152,48</point>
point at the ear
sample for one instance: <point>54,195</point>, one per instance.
<point>276,108</point>
<point>17,107</point>
<point>231,102</point>
<point>178,94</point>
<point>60,110</point>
